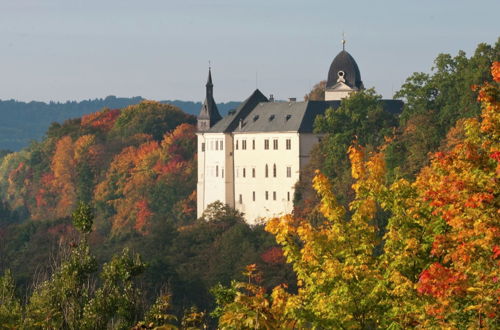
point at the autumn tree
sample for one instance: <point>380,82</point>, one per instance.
<point>317,93</point>
<point>433,104</point>
<point>460,188</point>
<point>433,263</point>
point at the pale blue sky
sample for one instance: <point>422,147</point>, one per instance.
<point>79,49</point>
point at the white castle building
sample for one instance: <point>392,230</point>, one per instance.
<point>251,159</point>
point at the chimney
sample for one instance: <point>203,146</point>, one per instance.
<point>271,98</point>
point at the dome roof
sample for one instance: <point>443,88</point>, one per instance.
<point>344,68</point>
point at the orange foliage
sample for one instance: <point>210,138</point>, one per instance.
<point>103,119</point>
<point>137,173</point>
<point>495,71</point>
<point>461,188</point>
<point>142,217</point>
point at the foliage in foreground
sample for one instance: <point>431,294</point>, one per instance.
<point>434,265</point>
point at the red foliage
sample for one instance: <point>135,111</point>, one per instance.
<point>440,281</point>
<point>103,119</point>
<point>495,155</point>
<point>496,252</point>
<point>273,255</point>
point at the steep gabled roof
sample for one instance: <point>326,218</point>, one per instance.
<point>256,114</point>
<point>284,116</point>
<point>231,121</point>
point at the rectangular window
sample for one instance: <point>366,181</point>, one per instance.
<point>288,196</point>
<point>266,144</point>
<point>221,145</point>
<point>267,195</point>
<point>275,144</point>
<point>288,144</point>
<point>203,147</point>
<point>288,171</point>
<point>216,145</point>
<point>236,144</point>
<point>244,172</point>
<point>253,144</point>
<point>237,172</point>
<point>253,196</point>
<point>274,195</point>
<point>241,199</point>
<point>253,172</point>
<point>244,144</point>
<point>222,172</point>
<point>217,170</point>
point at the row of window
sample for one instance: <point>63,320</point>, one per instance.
<point>288,144</point>
<point>243,171</point>
<point>266,196</point>
<point>213,145</point>
<point>216,171</point>
<point>219,145</point>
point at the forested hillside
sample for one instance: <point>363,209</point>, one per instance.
<point>21,122</point>
<point>395,224</point>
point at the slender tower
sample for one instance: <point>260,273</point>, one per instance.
<point>209,114</point>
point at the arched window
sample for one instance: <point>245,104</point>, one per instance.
<point>267,171</point>
<point>274,170</point>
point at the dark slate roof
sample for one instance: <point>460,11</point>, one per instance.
<point>285,116</point>
<point>209,108</point>
<point>257,114</point>
<point>231,121</point>
<point>346,63</point>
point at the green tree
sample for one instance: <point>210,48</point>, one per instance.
<point>10,306</point>
<point>58,303</point>
<point>433,104</point>
<point>83,217</point>
<point>117,303</point>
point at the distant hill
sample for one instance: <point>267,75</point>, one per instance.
<point>22,122</point>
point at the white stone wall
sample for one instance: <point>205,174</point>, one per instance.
<point>279,186</point>
<point>214,176</point>
<point>244,169</point>
<point>336,95</point>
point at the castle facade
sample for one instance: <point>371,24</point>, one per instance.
<point>251,159</point>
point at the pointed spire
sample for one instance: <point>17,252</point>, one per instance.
<point>209,114</point>
<point>209,80</point>
<point>343,41</point>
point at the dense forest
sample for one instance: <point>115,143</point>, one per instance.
<point>22,122</point>
<point>395,225</point>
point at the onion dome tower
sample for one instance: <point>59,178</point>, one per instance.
<point>209,114</point>
<point>343,77</point>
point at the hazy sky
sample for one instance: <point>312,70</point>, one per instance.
<point>159,49</point>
